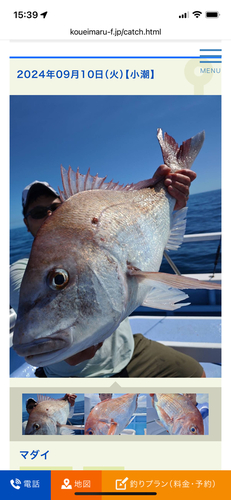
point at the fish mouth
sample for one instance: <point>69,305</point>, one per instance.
<point>43,345</point>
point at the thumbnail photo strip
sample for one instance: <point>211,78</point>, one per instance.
<point>115,414</point>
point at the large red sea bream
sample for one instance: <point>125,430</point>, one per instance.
<point>96,259</point>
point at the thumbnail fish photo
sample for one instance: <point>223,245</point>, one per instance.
<point>115,414</point>
<point>115,240</point>
<point>178,414</point>
<point>52,414</point>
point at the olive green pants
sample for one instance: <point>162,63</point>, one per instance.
<point>152,359</point>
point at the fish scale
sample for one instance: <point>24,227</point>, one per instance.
<point>111,416</point>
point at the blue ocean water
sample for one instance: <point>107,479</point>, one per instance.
<point>204,216</point>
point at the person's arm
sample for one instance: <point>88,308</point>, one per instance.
<point>17,270</point>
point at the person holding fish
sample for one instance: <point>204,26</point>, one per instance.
<point>104,396</point>
<point>121,354</point>
<point>31,403</point>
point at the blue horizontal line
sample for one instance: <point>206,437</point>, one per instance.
<point>104,57</point>
<point>218,57</point>
<point>210,50</point>
<point>209,62</point>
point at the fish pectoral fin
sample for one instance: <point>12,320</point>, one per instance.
<point>66,430</point>
<point>71,412</point>
<point>172,280</point>
<point>111,424</point>
<point>177,230</point>
<point>67,426</point>
<point>160,423</point>
<point>165,298</point>
<point>164,416</point>
<point>112,427</point>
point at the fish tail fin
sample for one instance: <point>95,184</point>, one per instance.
<point>181,157</point>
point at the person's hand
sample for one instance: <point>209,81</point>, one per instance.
<point>83,355</point>
<point>177,183</point>
<point>70,398</point>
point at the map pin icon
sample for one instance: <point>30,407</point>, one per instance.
<point>66,482</point>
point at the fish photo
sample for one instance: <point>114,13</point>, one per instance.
<point>53,414</point>
<point>98,246</point>
<point>115,414</point>
<point>177,414</point>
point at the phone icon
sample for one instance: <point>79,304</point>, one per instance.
<point>15,483</point>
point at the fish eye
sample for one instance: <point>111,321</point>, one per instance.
<point>90,432</point>
<point>193,429</point>
<point>57,279</point>
<point>36,426</point>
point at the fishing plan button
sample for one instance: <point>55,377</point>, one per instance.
<point>121,484</point>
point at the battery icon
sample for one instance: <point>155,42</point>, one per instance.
<point>212,14</point>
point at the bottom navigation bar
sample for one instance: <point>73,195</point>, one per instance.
<point>66,485</point>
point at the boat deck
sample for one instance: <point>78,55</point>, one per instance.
<point>199,337</point>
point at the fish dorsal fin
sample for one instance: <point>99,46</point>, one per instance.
<point>177,230</point>
<point>43,397</point>
<point>74,182</point>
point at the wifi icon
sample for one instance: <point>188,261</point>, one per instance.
<point>197,13</point>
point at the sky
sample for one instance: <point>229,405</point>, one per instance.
<point>113,135</point>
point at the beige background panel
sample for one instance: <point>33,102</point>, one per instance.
<point>171,77</point>
<point>16,419</point>
<point>116,385</point>
<point>136,455</point>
